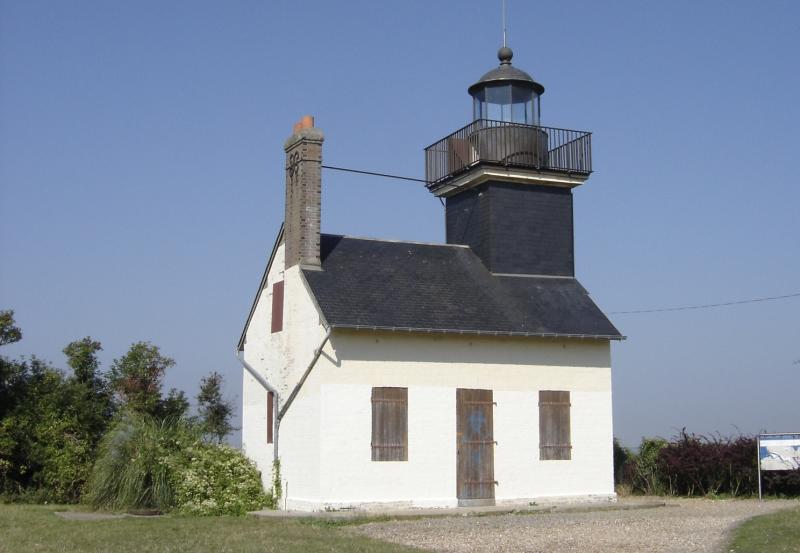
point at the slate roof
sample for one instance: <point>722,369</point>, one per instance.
<point>377,284</point>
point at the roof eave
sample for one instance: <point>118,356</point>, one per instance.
<point>536,87</point>
<point>478,332</point>
<point>240,345</point>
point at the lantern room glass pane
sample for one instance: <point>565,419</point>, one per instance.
<point>494,112</point>
<point>518,113</point>
<point>522,102</point>
<point>498,94</point>
<point>478,104</point>
<point>498,99</point>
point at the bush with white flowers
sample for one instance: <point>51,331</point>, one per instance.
<point>218,480</point>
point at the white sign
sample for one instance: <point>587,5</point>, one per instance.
<point>779,451</point>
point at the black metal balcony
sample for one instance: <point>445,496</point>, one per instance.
<point>505,144</point>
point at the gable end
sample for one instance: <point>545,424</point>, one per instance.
<point>278,240</point>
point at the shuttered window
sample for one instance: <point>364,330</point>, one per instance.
<point>277,306</point>
<point>554,431</point>
<point>270,416</point>
<point>390,424</point>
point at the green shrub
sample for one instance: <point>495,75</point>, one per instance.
<point>46,445</point>
<point>218,480</point>
<point>50,421</point>
<point>621,457</point>
<point>643,470</point>
<point>135,464</point>
<point>66,459</point>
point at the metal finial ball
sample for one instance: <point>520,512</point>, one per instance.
<point>505,54</point>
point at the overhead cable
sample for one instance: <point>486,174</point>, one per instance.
<point>387,175</point>
<point>704,306</point>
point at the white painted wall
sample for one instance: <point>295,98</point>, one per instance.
<point>254,427</point>
<point>299,447</point>
<point>282,357</point>
<point>432,368</point>
<point>350,477</point>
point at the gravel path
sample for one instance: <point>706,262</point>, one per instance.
<point>685,525</point>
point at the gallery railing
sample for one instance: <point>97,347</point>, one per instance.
<point>508,144</point>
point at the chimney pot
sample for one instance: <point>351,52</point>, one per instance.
<point>305,122</point>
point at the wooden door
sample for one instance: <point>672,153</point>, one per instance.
<point>474,447</point>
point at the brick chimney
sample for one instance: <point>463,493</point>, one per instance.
<point>303,194</point>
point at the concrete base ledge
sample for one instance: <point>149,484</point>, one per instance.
<point>83,516</point>
<point>399,514</point>
<point>99,515</point>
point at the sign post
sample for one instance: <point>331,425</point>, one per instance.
<point>777,451</point>
<point>758,456</point>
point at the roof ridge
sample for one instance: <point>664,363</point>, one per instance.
<point>529,275</point>
<point>389,240</point>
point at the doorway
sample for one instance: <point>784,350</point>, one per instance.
<point>474,447</point>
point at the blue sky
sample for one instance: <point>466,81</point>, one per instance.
<point>141,172</point>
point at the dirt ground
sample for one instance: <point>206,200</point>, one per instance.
<point>683,526</point>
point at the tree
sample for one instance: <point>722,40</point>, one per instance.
<point>12,372</point>
<point>215,410</point>
<point>136,378</point>
<point>50,424</point>
<point>82,359</point>
<point>46,449</point>
<point>90,392</point>
<point>174,406</point>
<point>9,332</point>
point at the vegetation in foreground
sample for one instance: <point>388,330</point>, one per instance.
<point>146,463</point>
<point>114,439</point>
<point>776,533</point>
<point>692,465</point>
<point>34,528</point>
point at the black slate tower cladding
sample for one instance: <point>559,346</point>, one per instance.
<point>507,181</point>
<point>515,229</point>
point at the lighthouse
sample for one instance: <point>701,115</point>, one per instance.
<point>507,181</point>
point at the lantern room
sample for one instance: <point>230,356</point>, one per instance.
<point>506,138</point>
<point>507,94</point>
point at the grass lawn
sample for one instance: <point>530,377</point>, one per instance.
<point>35,528</point>
<point>775,533</point>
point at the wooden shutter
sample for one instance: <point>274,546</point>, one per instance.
<point>270,416</point>
<point>390,424</point>
<point>554,431</point>
<point>277,306</point>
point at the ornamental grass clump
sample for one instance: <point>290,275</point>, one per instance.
<point>137,461</point>
<point>218,480</point>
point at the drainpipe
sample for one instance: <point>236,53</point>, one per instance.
<point>267,386</point>
<point>317,353</point>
